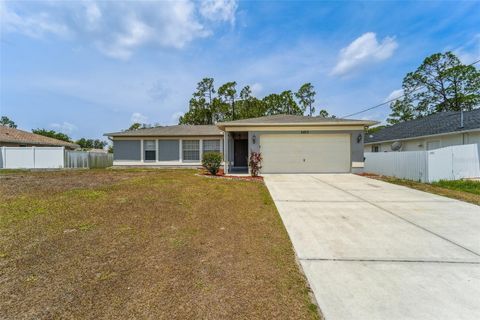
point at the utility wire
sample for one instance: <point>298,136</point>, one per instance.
<point>394,99</point>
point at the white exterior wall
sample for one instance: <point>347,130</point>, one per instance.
<point>421,144</point>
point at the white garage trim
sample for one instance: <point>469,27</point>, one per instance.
<point>305,153</point>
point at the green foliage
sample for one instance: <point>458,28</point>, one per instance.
<point>255,163</point>
<point>440,83</point>
<point>306,98</point>
<point>470,186</point>
<point>5,121</point>
<point>324,114</point>
<point>228,104</point>
<point>135,126</point>
<point>212,161</point>
<point>91,143</point>
<point>52,134</point>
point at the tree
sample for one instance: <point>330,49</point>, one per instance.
<point>306,98</point>
<point>52,134</point>
<point>371,130</point>
<point>325,114</point>
<point>135,126</point>
<point>91,143</point>
<point>201,105</point>
<point>288,105</point>
<point>228,94</point>
<point>6,122</point>
<point>440,83</point>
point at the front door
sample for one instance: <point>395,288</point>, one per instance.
<point>240,151</point>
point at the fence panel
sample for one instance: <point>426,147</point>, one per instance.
<point>450,163</point>
<point>48,157</point>
<point>453,163</point>
<point>76,159</point>
<point>409,165</point>
<point>100,160</point>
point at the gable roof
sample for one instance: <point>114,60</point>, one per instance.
<point>288,119</point>
<point>437,123</point>
<point>13,135</point>
<point>170,131</point>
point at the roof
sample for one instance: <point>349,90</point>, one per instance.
<point>169,131</point>
<point>13,135</point>
<point>288,119</point>
<point>437,123</point>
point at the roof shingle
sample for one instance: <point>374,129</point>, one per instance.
<point>437,123</point>
<point>13,135</point>
<point>169,131</point>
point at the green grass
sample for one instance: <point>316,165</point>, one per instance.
<point>470,186</point>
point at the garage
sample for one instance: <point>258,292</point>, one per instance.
<point>305,153</point>
<point>295,144</point>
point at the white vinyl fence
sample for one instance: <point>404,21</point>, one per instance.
<point>32,157</point>
<point>51,158</point>
<point>450,163</point>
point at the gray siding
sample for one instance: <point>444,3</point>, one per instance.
<point>127,150</point>
<point>356,148</point>
<point>168,150</point>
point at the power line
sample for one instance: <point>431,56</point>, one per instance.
<point>394,99</point>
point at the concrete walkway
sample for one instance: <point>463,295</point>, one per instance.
<point>373,250</point>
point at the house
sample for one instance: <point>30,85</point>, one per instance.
<point>288,144</point>
<point>11,137</point>
<point>435,131</point>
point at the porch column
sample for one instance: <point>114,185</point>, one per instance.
<point>225,152</point>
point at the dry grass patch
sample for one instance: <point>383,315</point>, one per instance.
<point>158,244</point>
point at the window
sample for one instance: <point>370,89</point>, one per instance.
<point>375,149</point>
<point>149,149</point>
<point>211,146</point>
<point>191,150</point>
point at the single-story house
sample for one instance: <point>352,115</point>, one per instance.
<point>12,137</point>
<point>288,144</point>
<point>435,131</point>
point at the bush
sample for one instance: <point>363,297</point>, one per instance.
<point>212,161</point>
<point>255,163</point>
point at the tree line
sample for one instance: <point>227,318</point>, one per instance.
<point>83,142</point>
<point>440,83</point>
<point>209,105</point>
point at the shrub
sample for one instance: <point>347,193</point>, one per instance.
<point>212,161</point>
<point>255,163</point>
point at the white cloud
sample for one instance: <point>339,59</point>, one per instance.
<point>470,51</point>
<point>35,25</point>
<point>93,15</point>
<point>137,117</point>
<point>363,50</point>
<point>394,94</point>
<point>118,29</point>
<point>219,10</point>
<point>65,127</point>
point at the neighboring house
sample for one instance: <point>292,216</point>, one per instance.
<point>288,144</point>
<point>11,137</point>
<point>435,131</point>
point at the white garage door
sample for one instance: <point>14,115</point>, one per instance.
<point>308,153</point>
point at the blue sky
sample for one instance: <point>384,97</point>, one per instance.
<point>90,67</point>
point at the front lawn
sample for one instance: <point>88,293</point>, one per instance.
<point>465,190</point>
<point>156,244</point>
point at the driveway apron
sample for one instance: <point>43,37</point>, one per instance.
<point>374,250</point>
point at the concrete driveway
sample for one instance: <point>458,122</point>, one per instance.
<point>374,250</point>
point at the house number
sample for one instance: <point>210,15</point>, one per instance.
<point>304,132</point>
